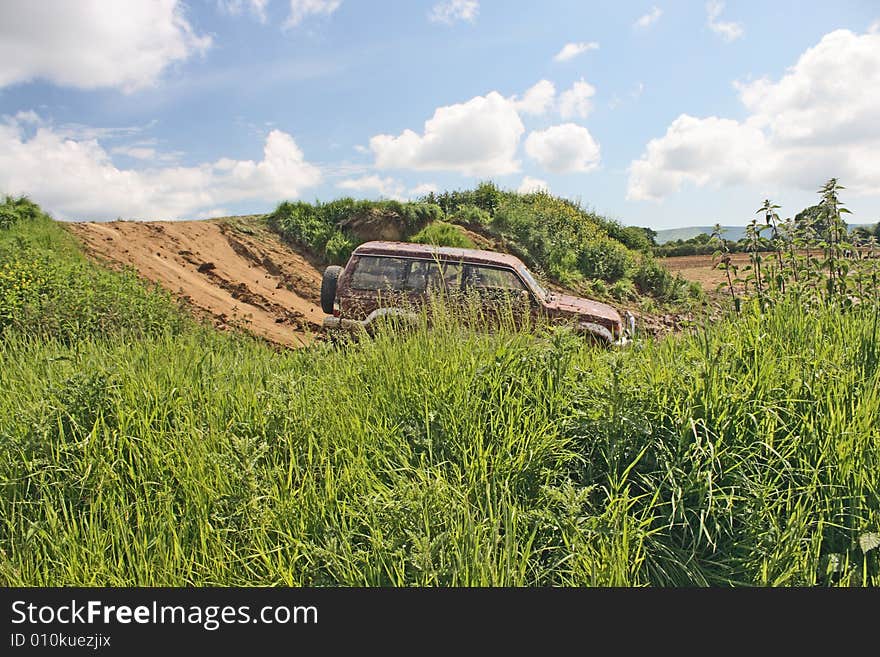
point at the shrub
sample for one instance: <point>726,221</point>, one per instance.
<point>303,223</point>
<point>13,210</point>
<point>338,248</point>
<point>441,233</point>
<point>623,289</point>
<point>606,259</point>
<point>471,215</point>
<point>654,279</point>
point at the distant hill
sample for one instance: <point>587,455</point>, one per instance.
<point>733,233</point>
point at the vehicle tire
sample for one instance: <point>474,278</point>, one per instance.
<point>596,334</point>
<point>328,288</point>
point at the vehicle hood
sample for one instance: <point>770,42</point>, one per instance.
<point>584,308</point>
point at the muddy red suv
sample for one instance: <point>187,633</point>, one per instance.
<point>389,279</point>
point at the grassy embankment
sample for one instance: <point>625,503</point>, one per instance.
<point>560,240</point>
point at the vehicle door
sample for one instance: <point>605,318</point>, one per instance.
<point>374,282</point>
<point>499,293</point>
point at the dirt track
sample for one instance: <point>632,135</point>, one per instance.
<point>236,272</point>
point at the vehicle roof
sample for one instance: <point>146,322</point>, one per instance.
<point>426,251</point>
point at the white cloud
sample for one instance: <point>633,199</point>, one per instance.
<point>384,187</point>
<point>454,10</point>
<point>387,187</point>
<point>698,151</point>
<point>648,19</point>
<point>818,121</point>
<point>572,50</point>
<point>423,188</point>
<point>235,7</point>
<point>213,213</point>
<point>874,27</point>
<point>302,9</point>
<point>78,179</point>
<point>94,44</point>
<point>637,91</point>
<point>536,100</point>
<point>564,148</point>
<point>529,185</point>
<point>478,137</point>
<point>728,31</point>
<point>28,116</point>
<point>137,152</point>
<point>142,150</point>
<point>576,101</point>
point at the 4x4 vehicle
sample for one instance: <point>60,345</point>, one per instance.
<point>391,279</point>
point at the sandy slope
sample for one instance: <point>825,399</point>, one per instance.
<point>235,271</point>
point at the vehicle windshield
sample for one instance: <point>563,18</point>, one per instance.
<point>532,283</point>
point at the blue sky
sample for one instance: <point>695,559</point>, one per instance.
<point>659,114</point>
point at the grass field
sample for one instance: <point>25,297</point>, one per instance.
<point>743,452</point>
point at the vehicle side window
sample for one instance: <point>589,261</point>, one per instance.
<point>431,275</point>
<point>379,273</point>
<point>417,279</point>
<point>445,276</point>
<point>491,279</point>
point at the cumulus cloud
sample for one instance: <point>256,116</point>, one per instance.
<point>302,9</point>
<point>478,137</point>
<point>78,179</point>
<point>728,31</point>
<point>93,44</point>
<point>576,101</point>
<point>454,10</point>
<point>423,188</point>
<point>141,150</point>
<point>235,7</point>
<point>385,187</point>
<point>536,100</point>
<point>572,50</point>
<point>648,19</point>
<point>529,185</point>
<point>818,121</point>
<point>564,148</point>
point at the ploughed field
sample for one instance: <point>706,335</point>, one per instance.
<point>702,269</point>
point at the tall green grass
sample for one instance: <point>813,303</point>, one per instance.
<point>744,454</point>
<point>48,288</point>
<point>138,448</point>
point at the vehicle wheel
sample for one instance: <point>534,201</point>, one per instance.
<point>596,334</point>
<point>328,288</point>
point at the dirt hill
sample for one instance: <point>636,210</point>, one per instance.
<point>232,270</point>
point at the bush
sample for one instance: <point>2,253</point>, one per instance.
<point>13,210</point>
<point>606,259</point>
<point>441,233</point>
<point>623,289</point>
<point>320,227</point>
<point>303,223</point>
<point>471,215</point>
<point>654,279</point>
<point>338,248</point>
